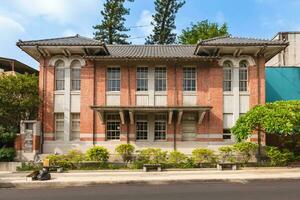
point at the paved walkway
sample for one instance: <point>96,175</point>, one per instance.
<point>84,178</point>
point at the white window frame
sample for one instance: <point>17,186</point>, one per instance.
<point>158,133</point>
<point>141,134</point>
<point>192,79</point>
<point>227,68</point>
<point>113,120</point>
<point>145,79</point>
<point>227,134</point>
<point>59,119</point>
<point>160,76</point>
<point>113,82</point>
<point>243,71</point>
<point>75,78</point>
<point>60,78</point>
<point>75,133</point>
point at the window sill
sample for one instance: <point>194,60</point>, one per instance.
<point>245,93</point>
<point>189,93</point>
<point>142,92</point>
<point>59,92</point>
<point>113,93</point>
<point>75,92</point>
<point>160,93</point>
<point>228,93</point>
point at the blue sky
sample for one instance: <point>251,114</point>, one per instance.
<point>38,19</point>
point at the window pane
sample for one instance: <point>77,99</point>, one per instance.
<point>75,126</point>
<point>142,79</point>
<point>113,127</point>
<point>59,79</point>
<point>227,82</point>
<point>59,126</point>
<point>160,128</point>
<point>113,79</point>
<point>75,84</point>
<point>160,79</point>
<point>141,130</point>
<point>189,79</point>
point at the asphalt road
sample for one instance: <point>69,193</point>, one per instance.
<point>273,190</point>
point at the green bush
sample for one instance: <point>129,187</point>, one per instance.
<point>7,154</point>
<point>246,150</point>
<point>30,166</point>
<point>279,158</point>
<point>97,153</point>
<point>227,154</point>
<point>176,157</point>
<point>125,151</point>
<point>7,138</point>
<point>152,156</point>
<point>60,160</point>
<point>75,156</point>
<point>204,156</point>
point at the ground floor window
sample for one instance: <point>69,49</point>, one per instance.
<point>59,126</point>
<point>75,126</point>
<point>160,127</point>
<point>141,127</point>
<point>113,127</point>
<point>226,134</point>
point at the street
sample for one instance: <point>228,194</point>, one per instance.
<point>281,189</point>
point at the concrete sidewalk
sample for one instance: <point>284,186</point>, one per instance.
<point>84,178</point>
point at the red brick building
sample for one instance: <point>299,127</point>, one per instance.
<point>167,96</point>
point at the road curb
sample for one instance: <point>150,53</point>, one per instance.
<point>48,184</point>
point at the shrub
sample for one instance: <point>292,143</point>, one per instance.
<point>246,150</point>
<point>59,160</point>
<point>30,166</point>
<point>227,154</point>
<point>279,158</point>
<point>7,138</point>
<point>125,151</point>
<point>176,157</point>
<point>152,156</point>
<point>203,155</point>
<point>75,156</point>
<point>7,154</point>
<point>97,153</point>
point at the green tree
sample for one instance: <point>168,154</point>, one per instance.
<point>112,29</point>
<point>164,22</point>
<point>19,99</point>
<point>201,31</point>
<point>281,118</point>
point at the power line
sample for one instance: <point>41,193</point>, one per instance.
<point>141,26</point>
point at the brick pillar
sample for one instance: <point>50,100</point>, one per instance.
<point>100,99</point>
<point>87,100</point>
<point>48,101</point>
<point>132,99</point>
<point>124,100</point>
<point>215,124</point>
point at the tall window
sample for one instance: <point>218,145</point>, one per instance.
<point>227,79</point>
<point>189,79</point>
<point>113,79</point>
<point>243,76</point>
<point>160,79</point>
<point>75,75</point>
<point>160,127</point>
<point>59,126</point>
<point>113,127</point>
<point>75,126</point>
<point>59,76</point>
<point>141,127</point>
<point>142,79</point>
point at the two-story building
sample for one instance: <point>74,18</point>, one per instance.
<point>167,96</point>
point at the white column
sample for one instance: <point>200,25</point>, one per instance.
<point>151,119</point>
<point>67,104</point>
<point>236,93</point>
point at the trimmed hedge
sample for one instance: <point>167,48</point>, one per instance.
<point>7,154</point>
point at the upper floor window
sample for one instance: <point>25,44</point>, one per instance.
<point>113,79</point>
<point>227,79</point>
<point>189,79</point>
<point>142,79</point>
<point>75,75</point>
<point>243,76</point>
<point>160,79</point>
<point>59,75</point>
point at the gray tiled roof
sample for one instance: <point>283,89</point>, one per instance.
<point>76,40</point>
<point>152,51</point>
<point>239,41</point>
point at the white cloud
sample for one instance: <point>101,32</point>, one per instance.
<point>145,22</point>
<point>61,11</point>
<point>9,25</point>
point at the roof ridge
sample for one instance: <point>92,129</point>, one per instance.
<point>57,38</point>
<point>215,38</point>
<point>151,45</point>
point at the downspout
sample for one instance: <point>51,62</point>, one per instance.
<point>175,101</point>
<point>259,102</point>
<point>94,103</point>
<point>43,107</point>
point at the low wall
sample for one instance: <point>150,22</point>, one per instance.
<point>9,166</point>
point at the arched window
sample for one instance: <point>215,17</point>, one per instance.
<point>75,75</point>
<point>59,75</point>
<point>227,79</point>
<point>243,76</point>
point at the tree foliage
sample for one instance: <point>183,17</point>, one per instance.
<point>281,118</point>
<point>19,99</point>
<point>164,22</point>
<point>201,31</point>
<point>112,29</point>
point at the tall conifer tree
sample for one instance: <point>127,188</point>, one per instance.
<point>164,22</point>
<point>112,29</point>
